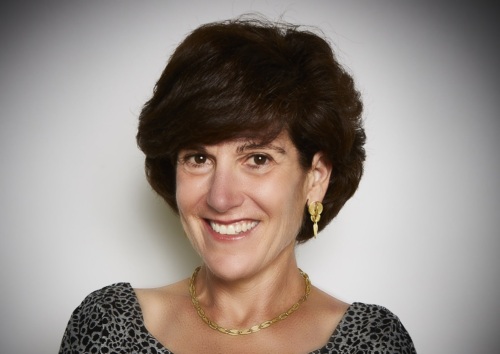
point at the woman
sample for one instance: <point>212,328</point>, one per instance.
<point>254,137</point>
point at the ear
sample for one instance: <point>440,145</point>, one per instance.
<point>318,178</point>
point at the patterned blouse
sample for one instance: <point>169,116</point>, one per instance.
<point>110,321</point>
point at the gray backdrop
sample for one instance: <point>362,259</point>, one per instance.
<point>420,237</point>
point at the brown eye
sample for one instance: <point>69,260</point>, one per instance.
<point>199,159</point>
<point>260,159</point>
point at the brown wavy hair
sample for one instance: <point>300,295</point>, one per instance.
<point>249,78</point>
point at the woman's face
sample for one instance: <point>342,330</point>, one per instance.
<point>241,203</point>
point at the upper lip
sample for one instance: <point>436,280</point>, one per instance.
<point>228,222</point>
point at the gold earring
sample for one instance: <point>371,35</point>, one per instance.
<point>315,209</point>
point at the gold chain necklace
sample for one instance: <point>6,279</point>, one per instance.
<point>253,329</point>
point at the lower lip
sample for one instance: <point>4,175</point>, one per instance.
<point>228,238</point>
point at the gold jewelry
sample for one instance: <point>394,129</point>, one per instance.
<point>253,329</point>
<point>315,209</point>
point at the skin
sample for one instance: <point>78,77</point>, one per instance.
<point>241,206</point>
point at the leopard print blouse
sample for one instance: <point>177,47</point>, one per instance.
<point>110,321</point>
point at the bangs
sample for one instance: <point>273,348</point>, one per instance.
<point>227,86</point>
<point>208,125</point>
<point>234,104</point>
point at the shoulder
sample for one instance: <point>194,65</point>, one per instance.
<point>104,315</point>
<point>116,299</point>
<point>368,314</point>
<point>154,299</point>
<point>163,308</point>
<point>110,293</point>
<point>374,328</point>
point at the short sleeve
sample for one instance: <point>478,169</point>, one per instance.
<point>387,333</point>
<point>109,321</point>
<point>101,323</point>
<point>85,327</point>
<point>369,329</point>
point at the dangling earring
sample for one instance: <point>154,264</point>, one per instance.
<point>315,209</point>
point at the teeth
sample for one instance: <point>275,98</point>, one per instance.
<point>233,229</point>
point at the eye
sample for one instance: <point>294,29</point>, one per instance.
<point>260,160</point>
<point>195,161</point>
<point>198,159</point>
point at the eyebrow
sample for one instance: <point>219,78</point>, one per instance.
<point>252,146</point>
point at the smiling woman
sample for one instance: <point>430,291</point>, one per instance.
<point>254,137</point>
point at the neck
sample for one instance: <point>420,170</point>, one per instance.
<point>250,300</point>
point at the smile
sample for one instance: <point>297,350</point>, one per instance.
<point>234,228</point>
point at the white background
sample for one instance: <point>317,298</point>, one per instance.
<point>420,237</point>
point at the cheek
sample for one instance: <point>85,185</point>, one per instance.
<point>187,198</point>
<point>286,197</point>
<point>187,192</point>
<point>181,194</point>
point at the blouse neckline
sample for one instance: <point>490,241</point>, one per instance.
<point>139,314</point>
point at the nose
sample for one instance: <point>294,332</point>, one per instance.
<point>225,190</point>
